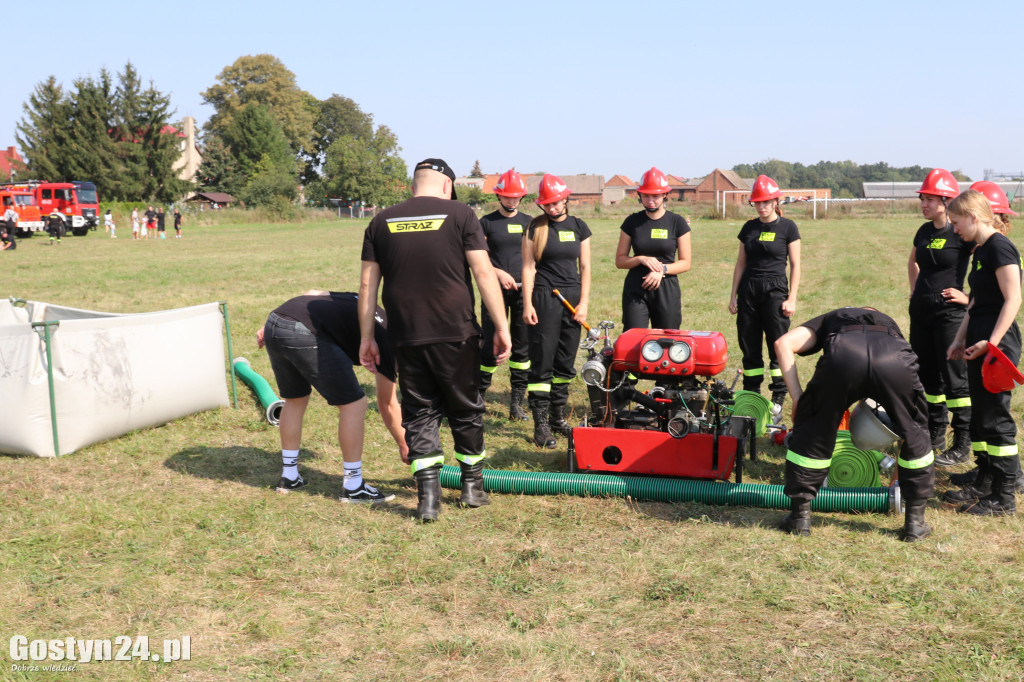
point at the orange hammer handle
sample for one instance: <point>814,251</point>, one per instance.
<point>568,305</point>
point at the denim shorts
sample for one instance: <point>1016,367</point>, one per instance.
<point>302,361</point>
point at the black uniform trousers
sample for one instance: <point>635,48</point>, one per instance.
<point>759,318</point>
<point>441,380</point>
<point>993,430</point>
<point>519,360</point>
<point>856,365</point>
<point>934,323</point>
<point>660,308</point>
<point>554,341</point>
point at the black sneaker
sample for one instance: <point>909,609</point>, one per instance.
<point>365,493</point>
<point>286,485</point>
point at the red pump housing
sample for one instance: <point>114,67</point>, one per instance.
<point>707,355</point>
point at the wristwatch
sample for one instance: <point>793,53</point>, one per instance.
<point>664,269</point>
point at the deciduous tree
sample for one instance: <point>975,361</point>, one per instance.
<point>366,169</point>
<point>261,79</point>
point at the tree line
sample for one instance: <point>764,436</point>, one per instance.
<point>106,130</point>
<point>266,138</point>
<point>844,178</point>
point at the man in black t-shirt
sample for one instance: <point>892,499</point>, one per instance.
<point>864,355</point>
<point>313,342</point>
<point>423,250</point>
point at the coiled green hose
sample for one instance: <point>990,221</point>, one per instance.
<point>852,467</point>
<point>268,399</point>
<point>752,404</point>
<point>656,489</point>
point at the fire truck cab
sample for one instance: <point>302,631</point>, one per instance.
<point>23,202</point>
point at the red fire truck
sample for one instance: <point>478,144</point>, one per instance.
<point>77,201</point>
<point>23,202</point>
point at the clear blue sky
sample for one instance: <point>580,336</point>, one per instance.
<point>590,87</point>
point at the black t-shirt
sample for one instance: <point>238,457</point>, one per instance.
<point>336,316</point>
<point>505,241</point>
<point>831,323</point>
<point>9,239</point>
<point>996,252</point>
<point>420,245</point>
<point>160,220</point>
<point>658,238</point>
<point>943,258</point>
<point>558,264</point>
<point>766,246</point>
<point>150,216</point>
<point>177,220</point>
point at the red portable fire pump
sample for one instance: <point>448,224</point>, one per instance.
<point>686,425</point>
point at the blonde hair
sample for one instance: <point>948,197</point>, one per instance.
<point>538,234</point>
<point>975,204</point>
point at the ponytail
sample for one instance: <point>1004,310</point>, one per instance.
<point>538,234</point>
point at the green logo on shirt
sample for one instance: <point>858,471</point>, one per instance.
<point>937,244</point>
<point>515,229</point>
<point>566,236</point>
<point>659,234</point>
<point>767,236</point>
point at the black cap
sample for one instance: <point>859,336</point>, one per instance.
<point>441,167</point>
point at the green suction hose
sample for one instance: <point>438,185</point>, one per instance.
<point>656,489</point>
<point>852,467</point>
<point>752,404</point>
<point>268,399</point>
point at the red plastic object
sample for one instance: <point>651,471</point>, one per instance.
<point>653,452</point>
<point>708,353</point>
<point>998,373</point>
<point>779,437</point>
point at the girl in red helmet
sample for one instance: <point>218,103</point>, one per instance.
<point>556,255</point>
<point>504,230</point>
<point>937,267</point>
<point>995,280</point>
<point>761,298</point>
<point>660,241</point>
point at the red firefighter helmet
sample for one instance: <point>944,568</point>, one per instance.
<point>653,182</point>
<point>998,373</point>
<point>995,195</point>
<point>765,189</point>
<point>552,190</point>
<point>941,183</point>
<point>510,184</point>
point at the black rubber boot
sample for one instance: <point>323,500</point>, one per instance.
<point>798,521</point>
<point>541,431</point>
<point>556,420</point>
<point>957,453</point>
<point>473,493</point>
<point>516,412</point>
<point>972,492</point>
<point>428,489</point>
<point>914,526</point>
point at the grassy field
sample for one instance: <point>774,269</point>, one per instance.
<point>173,531</point>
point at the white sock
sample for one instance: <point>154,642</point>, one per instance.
<point>353,475</point>
<point>290,459</point>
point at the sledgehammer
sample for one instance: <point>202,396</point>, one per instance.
<point>590,332</point>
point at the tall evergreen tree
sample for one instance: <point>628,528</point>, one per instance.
<point>218,171</point>
<point>44,132</point>
<point>93,152</point>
